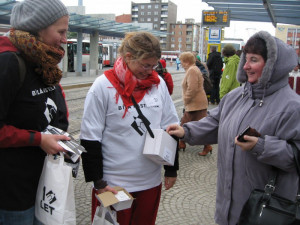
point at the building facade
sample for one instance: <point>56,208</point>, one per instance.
<point>160,13</point>
<point>185,36</point>
<point>125,18</point>
<point>290,34</point>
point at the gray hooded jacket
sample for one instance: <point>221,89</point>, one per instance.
<point>273,109</point>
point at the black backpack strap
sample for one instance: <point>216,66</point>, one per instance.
<point>143,118</point>
<point>22,68</point>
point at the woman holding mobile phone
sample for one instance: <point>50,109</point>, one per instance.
<point>267,104</point>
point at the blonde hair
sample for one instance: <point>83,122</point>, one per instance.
<point>187,57</point>
<point>141,45</point>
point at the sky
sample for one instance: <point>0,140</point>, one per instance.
<point>185,9</point>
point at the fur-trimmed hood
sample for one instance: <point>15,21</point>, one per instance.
<point>281,59</point>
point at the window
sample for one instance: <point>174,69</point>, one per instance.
<point>172,39</point>
<point>149,6</point>
<point>142,19</point>
<point>155,19</point>
<point>149,19</point>
<point>155,26</point>
<point>142,6</point>
<point>142,13</point>
<point>172,45</point>
<point>155,13</point>
<point>156,6</point>
<point>149,13</point>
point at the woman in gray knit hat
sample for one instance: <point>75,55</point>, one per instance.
<point>30,99</point>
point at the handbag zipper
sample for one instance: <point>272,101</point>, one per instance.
<point>272,208</point>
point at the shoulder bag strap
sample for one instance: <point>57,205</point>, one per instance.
<point>22,68</point>
<point>297,161</point>
<point>142,117</point>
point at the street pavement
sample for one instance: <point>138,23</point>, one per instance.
<point>191,201</point>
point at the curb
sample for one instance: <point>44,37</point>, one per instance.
<point>72,86</point>
<point>89,83</point>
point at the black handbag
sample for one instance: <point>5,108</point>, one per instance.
<point>264,207</point>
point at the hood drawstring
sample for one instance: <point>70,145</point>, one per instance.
<point>244,92</point>
<point>261,102</point>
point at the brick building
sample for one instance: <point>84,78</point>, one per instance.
<point>185,36</point>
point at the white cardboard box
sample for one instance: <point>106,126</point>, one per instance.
<point>122,200</point>
<point>161,149</point>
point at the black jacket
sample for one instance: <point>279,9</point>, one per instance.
<point>215,65</point>
<point>33,106</point>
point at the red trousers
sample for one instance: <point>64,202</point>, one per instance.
<point>143,210</point>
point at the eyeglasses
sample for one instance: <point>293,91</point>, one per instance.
<point>147,67</point>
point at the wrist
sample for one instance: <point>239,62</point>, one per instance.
<point>100,184</point>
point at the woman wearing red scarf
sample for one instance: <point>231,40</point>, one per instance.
<point>114,134</point>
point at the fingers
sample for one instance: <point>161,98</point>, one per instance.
<point>107,188</point>
<point>62,137</point>
<point>49,143</point>
<point>249,144</point>
<point>169,182</point>
<point>171,127</point>
<point>176,130</point>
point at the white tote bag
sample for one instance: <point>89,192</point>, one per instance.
<point>55,203</point>
<point>105,216</point>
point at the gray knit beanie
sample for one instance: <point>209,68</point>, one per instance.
<point>35,15</point>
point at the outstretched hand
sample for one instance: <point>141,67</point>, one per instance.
<point>49,143</point>
<point>176,130</point>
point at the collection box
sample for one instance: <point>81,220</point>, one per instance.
<point>161,149</point>
<point>120,201</point>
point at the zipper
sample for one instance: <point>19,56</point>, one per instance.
<point>274,209</point>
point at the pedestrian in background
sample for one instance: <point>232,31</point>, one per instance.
<point>113,132</point>
<point>215,65</point>
<point>238,52</point>
<point>177,62</point>
<point>231,60</point>
<point>265,103</point>
<point>205,73</point>
<point>194,97</point>
<point>163,72</point>
<point>29,103</point>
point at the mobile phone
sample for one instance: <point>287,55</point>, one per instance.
<point>244,132</point>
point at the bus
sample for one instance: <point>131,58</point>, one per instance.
<point>107,54</point>
<point>170,55</point>
<point>238,44</point>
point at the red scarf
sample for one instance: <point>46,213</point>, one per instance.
<point>128,85</point>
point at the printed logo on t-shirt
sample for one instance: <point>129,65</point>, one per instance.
<point>50,110</point>
<point>138,125</point>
